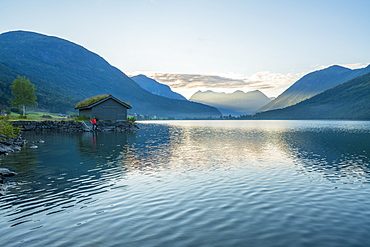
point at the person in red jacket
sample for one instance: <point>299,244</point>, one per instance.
<point>93,121</point>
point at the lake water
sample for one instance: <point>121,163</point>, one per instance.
<point>192,183</point>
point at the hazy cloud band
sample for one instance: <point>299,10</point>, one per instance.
<point>261,80</point>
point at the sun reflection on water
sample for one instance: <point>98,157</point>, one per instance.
<point>316,147</point>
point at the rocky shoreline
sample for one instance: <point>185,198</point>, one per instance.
<point>74,126</point>
<point>10,145</point>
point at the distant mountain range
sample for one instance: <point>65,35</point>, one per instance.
<point>155,87</point>
<point>65,73</point>
<point>313,84</point>
<point>349,100</point>
<point>235,104</point>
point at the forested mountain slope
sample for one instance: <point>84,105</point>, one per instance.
<point>313,84</point>
<point>49,97</point>
<point>350,100</point>
<point>155,87</point>
<point>60,67</point>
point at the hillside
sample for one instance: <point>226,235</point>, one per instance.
<point>313,84</point>
<point>236,103</point>
<point>61,100</point>
<point>155,87</point>
<point>350,100</point>
<point>60,67</point>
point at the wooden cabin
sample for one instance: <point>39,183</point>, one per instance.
<point>104,107</point>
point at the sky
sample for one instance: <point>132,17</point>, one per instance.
<point>219,45</point>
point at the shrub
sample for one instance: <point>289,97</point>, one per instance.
<point>46,116</point>
<point>15,110</point>
<point>7,129</point>
<point>73,116</point>
<point>83,118</point>
<point>131,119</point>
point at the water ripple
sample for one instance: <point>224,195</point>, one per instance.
<point>241,183</point>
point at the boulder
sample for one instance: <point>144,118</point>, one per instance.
<point>10,145</point>
<point>4,172</point>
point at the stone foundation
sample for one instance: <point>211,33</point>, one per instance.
<point>10,145</point>
<point>73,126</point>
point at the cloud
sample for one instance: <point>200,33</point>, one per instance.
<point>260,81</point>
<point>272,84</point>
<point>198,80</point>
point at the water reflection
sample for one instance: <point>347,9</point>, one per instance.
<point>183,148</point>
<point>231,181</point>
<point>339,150</point>
<point>65,171</point>
<point>341,156</point>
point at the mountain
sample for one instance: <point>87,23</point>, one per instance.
<point>236,103</point>
<point>60,98</point>
<point>313,84</point>
<point>155,87</point>
<point>349,100</point>
<point>59,67</point>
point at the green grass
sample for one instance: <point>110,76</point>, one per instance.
<point>92,100</point>
<point>95,99</point>
<point>35,115</point>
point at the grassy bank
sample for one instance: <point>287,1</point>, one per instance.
<point>37,116</point>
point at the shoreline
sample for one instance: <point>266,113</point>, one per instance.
<point>74,126</point>
<point>10,145</point>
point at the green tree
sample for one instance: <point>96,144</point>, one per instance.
<point>24,94</point>
<point>131,119</point>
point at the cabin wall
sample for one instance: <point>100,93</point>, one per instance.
<point>85,112</point>
<point>109,110</point>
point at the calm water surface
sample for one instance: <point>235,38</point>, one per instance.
<point>192,183</point>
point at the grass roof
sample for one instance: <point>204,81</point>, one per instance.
<point>94,99</point>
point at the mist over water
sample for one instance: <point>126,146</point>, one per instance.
<point>192,183</point>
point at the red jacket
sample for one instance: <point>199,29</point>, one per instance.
<point>93,121</point>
